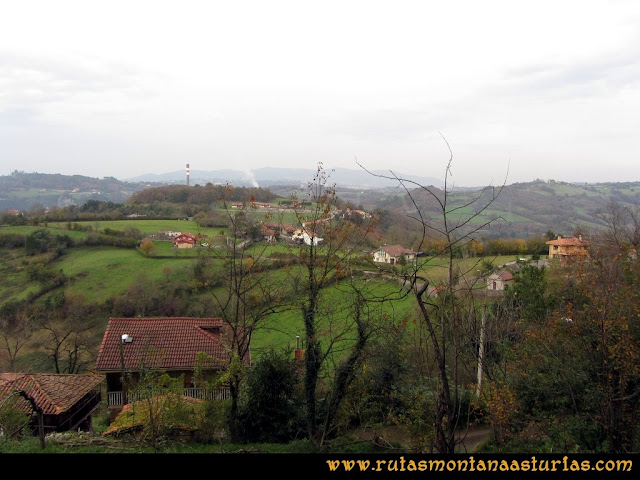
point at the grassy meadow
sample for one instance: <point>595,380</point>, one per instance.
<point>98,273</point>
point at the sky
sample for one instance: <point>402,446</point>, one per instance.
<point>507,90</point>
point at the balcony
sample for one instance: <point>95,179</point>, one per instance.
<point>116,399</point>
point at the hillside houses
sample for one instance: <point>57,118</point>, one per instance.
<point>273,232</point>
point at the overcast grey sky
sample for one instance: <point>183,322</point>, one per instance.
<point>547,89</point>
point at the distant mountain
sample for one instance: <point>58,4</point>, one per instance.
<point>267,176</point>
<point>528,208</point>
<point>22,190</point>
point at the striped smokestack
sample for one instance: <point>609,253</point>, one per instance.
<point>187,174</point>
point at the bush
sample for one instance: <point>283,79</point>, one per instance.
<point>273,411</point>
<point>12,420</point>
<point>12,240</point>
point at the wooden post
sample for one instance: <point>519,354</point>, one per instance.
<point>39,413</point>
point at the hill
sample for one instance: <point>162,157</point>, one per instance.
<point>525,209</point>
<point>530,208</point>
<point>22,190</point>
<point>270,176</point>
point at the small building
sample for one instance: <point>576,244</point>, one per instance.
<point>168,234</point>
<point>393,254</point>
<point>273,232</point>
<point>64,401</point>
<point>256,205</point>
<point>348,212</point>
<point>307,237</point>
<point>269,234</point>
<point>185,240</point>
<point>287,231</point>
<point>500,280</point>
<point>171,345</point>
<point>565,249</point>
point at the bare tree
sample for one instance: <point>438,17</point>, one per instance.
<point>16,330</point>
<point>449,318</point>
<point>67,328</point>
<point>622,226</point>
<point>328,246</point>
<point>245,297</point>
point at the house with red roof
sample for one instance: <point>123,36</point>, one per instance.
<point>393,254</point>
<point>273,232</point>
<point>500,280</point>
<point>62,401</point>
<point>185,240</point>
<point>171,345</point>
<point>567,248</point>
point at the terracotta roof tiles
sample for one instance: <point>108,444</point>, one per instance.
<point>162,343</point>
<point>396,250</point>
<point>53,393</point>
<point>572,241</point>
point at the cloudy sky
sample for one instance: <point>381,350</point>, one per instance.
<point>545,89</point>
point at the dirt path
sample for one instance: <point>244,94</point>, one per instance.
<point>473,439</point>
<point>394,437</point>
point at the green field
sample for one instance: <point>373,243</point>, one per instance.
<point>147,227</point>
<point>389,306</point>
<point>152,227</point>
<point>98,273</point>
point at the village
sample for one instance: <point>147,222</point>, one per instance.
<point>175,345</point>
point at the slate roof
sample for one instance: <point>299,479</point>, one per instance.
<point>162,343</point>
<point>53,393</point>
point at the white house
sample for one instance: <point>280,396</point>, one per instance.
<point>499,280</point>
<point>306,236</point>
<point>393,254</point>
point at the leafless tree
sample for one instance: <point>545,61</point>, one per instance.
<point>245,296</point>
<point>622,226</point>
<point>449,318</point>
<point>16,330</point>
<point>325,256</point>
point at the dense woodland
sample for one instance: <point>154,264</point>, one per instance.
<point>558,352</point>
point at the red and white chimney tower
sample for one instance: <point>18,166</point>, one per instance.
<point>187,174</point>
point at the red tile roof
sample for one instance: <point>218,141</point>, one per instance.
<point>396,250</point>
<point>505,275</point>
<point>185,238</point>
<point>162,343</point>
<point>53,393</point>
<point>572,241</point>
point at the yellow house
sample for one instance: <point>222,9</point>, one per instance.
<point>567,248</point>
